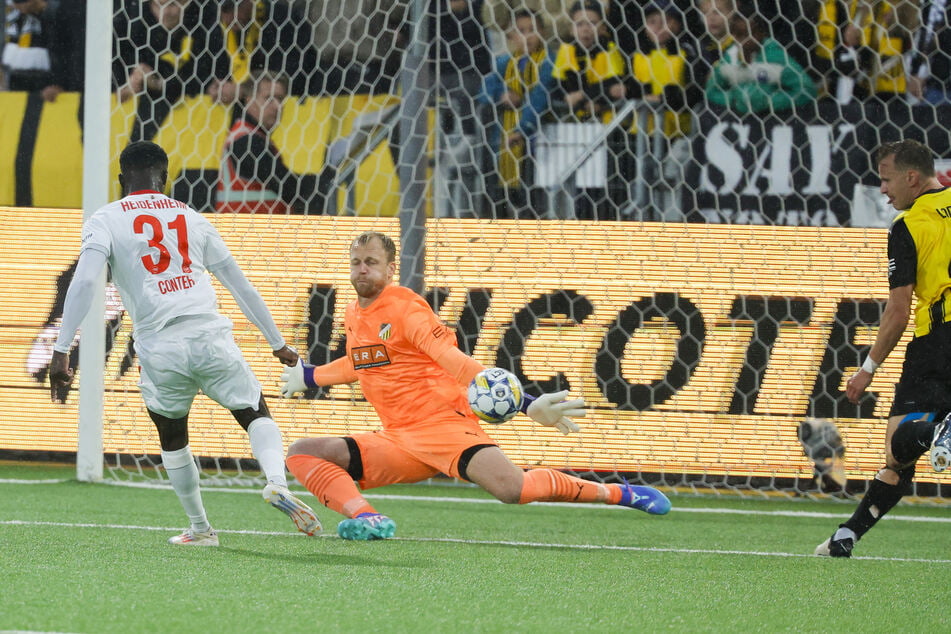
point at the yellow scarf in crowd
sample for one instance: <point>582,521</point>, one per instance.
<point>241,45</point>
<point>184,54</point>
<point>519,82</point>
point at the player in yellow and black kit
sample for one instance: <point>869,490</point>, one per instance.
<point>919,253</point>
<point>589,73</point>
<point>663,75</point>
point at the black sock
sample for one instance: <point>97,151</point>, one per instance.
<point>879,499</point>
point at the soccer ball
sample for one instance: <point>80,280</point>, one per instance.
<point>495,395</point>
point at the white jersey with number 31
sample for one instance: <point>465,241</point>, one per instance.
<point>159,250</point>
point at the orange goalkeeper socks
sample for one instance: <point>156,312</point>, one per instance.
<point>548,485</point>
<point>330,484</point>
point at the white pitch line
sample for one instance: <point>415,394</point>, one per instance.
<point>486,542</point>
<point>587,507</point>
<point>15,481</point>
<point>654,549</point>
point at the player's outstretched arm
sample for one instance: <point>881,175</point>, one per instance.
<point>891,327</point>
<point>303,376</point>
<point>552,410</point>
<point>459,365</point>
<point>252,305</point>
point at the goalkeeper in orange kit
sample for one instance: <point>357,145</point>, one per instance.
<point>428,427</point>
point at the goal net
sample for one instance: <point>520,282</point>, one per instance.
<point>598,197</point>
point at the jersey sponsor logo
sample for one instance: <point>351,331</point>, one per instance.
<point>385,331</point>
<point>439,331</point>
<point>179,283</point>
<point>366,357</point>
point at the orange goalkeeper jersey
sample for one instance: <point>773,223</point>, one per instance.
<point>392,345</point>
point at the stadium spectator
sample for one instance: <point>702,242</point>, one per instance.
<point>461,59</point>
<point>412,372</point>
<point>625,19</point>
<point>248,35</point>
<point>788,23</point>
<point>716,37</point>
<point>254,177</point>
<point>159,57</point>
<point>589,72</point>
<point>590,68</point>
<point>888,33</point>
<point>360,45</point>
<point>918,255</point>
<point>756,74</point>
<point>626,22</point>
<point>929,73</point>
<point>68,50</point>
<point>662,75</point>
<point>841,59</point>
<point>519,93</point>
<point>26,51</point>
<point>183,343</point>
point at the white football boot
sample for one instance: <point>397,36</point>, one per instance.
<point>195,538</point>
<point>283,500</point>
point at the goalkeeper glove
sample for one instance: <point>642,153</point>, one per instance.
<point>552,410</point>
<point>297,378</point>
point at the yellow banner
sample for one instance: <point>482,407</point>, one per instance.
<point>698,348</point>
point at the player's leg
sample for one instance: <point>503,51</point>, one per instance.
<point>182,472</point>
<point>329,467</point>
<point>264,435</point>
<point>491,469</point>
<point>921,399</point>
<point>224,376</point>
<point>907,437</point>
<point>940,454</point>
<point>168,393</point>
<point>322,465</point>
<point>267,445</point>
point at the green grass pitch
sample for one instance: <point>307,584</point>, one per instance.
<point>93,558</point>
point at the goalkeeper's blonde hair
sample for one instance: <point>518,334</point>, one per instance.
<point>388,245</point>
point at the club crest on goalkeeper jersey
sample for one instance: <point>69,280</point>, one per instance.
<point>159,250</point>
<point>392,344</point>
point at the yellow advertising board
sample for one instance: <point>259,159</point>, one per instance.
<point>698,348</point>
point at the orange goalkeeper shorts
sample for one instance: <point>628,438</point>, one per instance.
<point>417,452</point>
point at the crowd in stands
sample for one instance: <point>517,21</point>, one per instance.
<point>502,68</point>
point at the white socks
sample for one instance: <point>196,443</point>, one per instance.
<point>268,447</point>
<point>845,533</point>
<point>183,474</point>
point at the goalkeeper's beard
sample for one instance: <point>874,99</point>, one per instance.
<point>367,288</point>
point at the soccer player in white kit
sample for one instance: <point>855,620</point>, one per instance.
<point>159,250</point>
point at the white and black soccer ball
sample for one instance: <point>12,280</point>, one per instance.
<point>495,395</point>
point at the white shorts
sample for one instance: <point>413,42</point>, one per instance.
<point>190,354</point>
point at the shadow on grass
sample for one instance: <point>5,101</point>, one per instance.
<point>326,559</point>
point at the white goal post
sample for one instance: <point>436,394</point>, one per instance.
<point>96,147</point>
